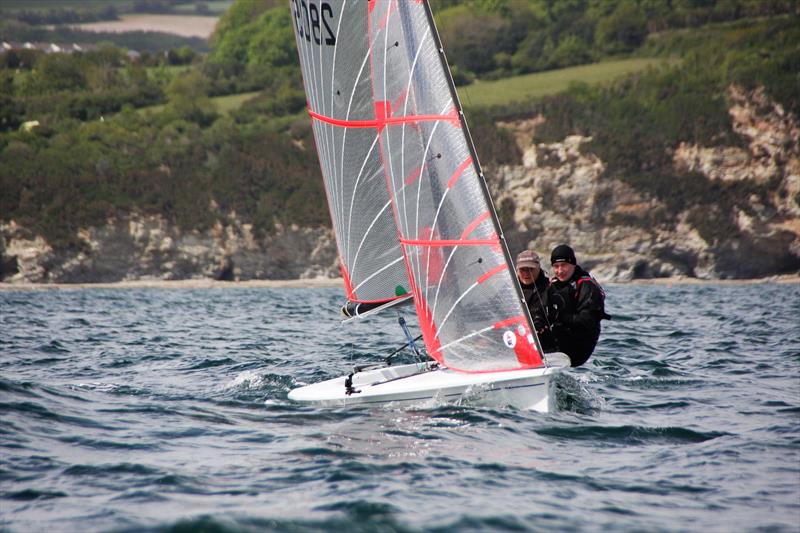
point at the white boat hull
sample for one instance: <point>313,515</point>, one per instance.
<point>425,384</point>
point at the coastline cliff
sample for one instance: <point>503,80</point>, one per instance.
<point>563,193</point>
<point>558,192</point>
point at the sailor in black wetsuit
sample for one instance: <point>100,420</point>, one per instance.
<point>575,306</point>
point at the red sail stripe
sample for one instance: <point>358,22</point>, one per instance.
<point>492,272</point>
<point>462,242</point>
<point>509,322</point>
<point>348,285</point>
<point>385,20</point>
<point>475,223</point>
<point>383,110</point>
<point>378,123</point>
<point>428,327</point>
<point>413,176</point>
<point>459,171</point>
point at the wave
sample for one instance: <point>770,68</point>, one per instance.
<point>630,435</point>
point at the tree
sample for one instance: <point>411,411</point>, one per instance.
<point>472,41</point>
<point>571,51</point>
<point>188,98</point>
<point>56,72</point>
<point>254,46</point>
<point>624,30</point>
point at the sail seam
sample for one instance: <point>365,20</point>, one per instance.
<point>350,213</point>
<point>465,337</point>
<point>452,307</point>
<point>475,223</point>
<point>382,119</point>
<point>492,272</point>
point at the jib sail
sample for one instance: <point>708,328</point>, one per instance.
<point>333,43</point>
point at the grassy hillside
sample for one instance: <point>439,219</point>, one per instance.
<point>637,123</point>
<point>528,87</point>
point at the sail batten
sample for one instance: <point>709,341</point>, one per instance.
<point>380,123</point>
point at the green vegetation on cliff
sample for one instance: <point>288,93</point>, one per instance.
<point>59,182</point>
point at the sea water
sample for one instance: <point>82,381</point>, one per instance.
<point>167,410</point>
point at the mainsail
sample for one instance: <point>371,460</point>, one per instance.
<point>407,196</point>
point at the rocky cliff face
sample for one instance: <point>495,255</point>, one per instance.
<point>559,193</point>
<point>149,248</point>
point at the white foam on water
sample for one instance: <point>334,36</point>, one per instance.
<point>248,379</point>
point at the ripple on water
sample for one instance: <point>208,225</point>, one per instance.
<point>35,494</point>
<point>210,363</point>
<point>630,435</point>
<point>106,444</point>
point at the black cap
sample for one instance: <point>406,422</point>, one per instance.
<point>563,254</point>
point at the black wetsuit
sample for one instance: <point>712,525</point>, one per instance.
<point>574,311</point>
<point>536,297</point>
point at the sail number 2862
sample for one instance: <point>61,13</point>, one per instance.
<point>310,20</point>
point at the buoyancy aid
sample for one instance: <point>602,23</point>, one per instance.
<point>570,292</point>
<point>576,308</point>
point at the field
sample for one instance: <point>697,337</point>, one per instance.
<point>224,104</point>
<point>122,6</point>
<point>214,6</point>
<point>530,86</point>
<point>43,5</point>
<point>231,102</point>
<point>183,25</point>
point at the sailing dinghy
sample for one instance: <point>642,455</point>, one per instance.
<point>411,212</point>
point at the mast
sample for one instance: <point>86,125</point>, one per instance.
<point>471,145</point>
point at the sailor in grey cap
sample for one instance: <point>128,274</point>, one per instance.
<point>533,281</point>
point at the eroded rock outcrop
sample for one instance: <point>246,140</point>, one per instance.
<point>148,247</point>
<point>560,193</point>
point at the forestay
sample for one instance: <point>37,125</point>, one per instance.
<point>389,117</point>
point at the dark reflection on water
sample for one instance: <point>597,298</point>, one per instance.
<point>166,410</point>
